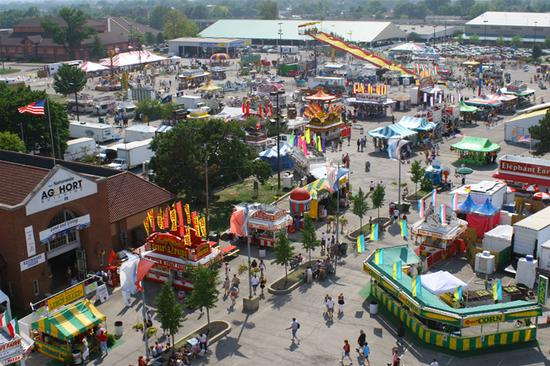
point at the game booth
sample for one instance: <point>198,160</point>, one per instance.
<point>324,117</point>
<point>382,135</point>
<point>321,192</point>
<point>177,243</point>
<point>468,112</point>
<point>476,150</point>
<point>370,106</point>
<point>443,319</point>
<point>264,223</point>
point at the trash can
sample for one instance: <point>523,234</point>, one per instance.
<point>77,357</point>
<point>373,308</point>
<point>119,328</point>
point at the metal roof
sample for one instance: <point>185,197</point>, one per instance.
<point>269,29</point>
<point>537,221</point>
<point>204,40</point>
<point>512,19</point>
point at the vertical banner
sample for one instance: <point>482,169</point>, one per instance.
<point>203,226</point>
<point>188,214</point>
<point>146,226</point>
<point>181,224</point>
<point>542,292</point>
<point>160,220</point>
<point>166,218</point>
<point>173,218</point>
<point>151,217</point>
<point>187,238</point>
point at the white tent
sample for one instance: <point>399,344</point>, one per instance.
<point>440,282</point>
<point>132,58</point>
<point>89,66</point>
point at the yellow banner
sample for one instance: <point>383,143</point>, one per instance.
<point>146,226</point>
<point>203,226</point>
<point>66,297</point>
<point>173,219</point>
<point>160,220</point>
<point>188,214</point>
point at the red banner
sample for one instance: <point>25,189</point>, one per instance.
<point>524,168</point>
<point>144,266</point>
<point>181,224</point>
<point>166,217</point>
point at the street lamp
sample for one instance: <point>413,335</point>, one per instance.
<point>279,41</point>
<point>485,30</point>
<point>277,121</point>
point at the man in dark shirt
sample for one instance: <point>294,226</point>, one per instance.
<point>361,340</point>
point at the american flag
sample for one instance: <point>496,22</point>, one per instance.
<point>36,108</point>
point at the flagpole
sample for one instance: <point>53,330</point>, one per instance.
<point>51,131</point>
<point>144,314</point>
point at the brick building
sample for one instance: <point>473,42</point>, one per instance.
<point>60,222</point>
<point>29,41</point>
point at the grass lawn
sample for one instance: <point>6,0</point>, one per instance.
<point>8,71</point>
<point>220,210</point>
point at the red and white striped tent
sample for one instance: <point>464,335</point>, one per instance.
<point>89,66</point>
<point>132,58</point>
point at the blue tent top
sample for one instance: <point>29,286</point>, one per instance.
<point>486,209</point>
<point>468,205</point>
<point>394,130</point>
<point>416,124</point>
<point>272,151</point>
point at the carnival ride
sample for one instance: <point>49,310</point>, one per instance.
<point>311,30</point>
<point>318,116</point>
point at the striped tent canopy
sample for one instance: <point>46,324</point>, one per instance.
<point>70,322</point>
<point>416,123</point>
<point>390,131</point>
<point>318,185</point>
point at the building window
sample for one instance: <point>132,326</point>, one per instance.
<point>35,287</point>
<point>66,238</point>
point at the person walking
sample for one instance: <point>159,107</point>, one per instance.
<point>341,304</point>
<point>396,361</point>
<point>294,326</point>
<point>261,266</point>
<point>346,352</point>
<point>263,282</point>
<point>226,285</point>
<point>366,353</point>
<point>361,340</point>
<point>254,281</point>
<point>233,293</point>
<point>85,350</point>
<point>359,144</point>
<point>329,303</point>
<point>235,281</point>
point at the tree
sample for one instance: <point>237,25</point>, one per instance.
<point>360,206</point>
<point>36,129</point>
<point>474,39</point>
<point>98,49</point>
<point>426,185</point>
<point>268,9</point>
<point>12,142</point>
<point>69,80</point>
<point>284,252</point>
<point>500,42</point>
<point>417,173</point>
<point>154,109</point>
<point>149,38</point>
<point>169,310</point>
<point>541,132</point>
<point>377,198</point>
<point>177,25</point>
<point>546,43</point>
<point>71,35</point>
<point>309,236</point>
<point>261,169</point>
<point>160,37</point>
<point>205,289</point>
<point>180,156</point>
<point>516,41</point>
<point>158,15</point>
<point>536,52</point>
<point>219,12</point>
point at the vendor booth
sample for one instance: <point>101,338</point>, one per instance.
<point>284,161</point>
<point>321,191</point>
<point>324,118</point>
<point>476,150</point>
<point>381,135</point>
<point>493,190</point>
<point>421,126</point>
<point>367,106</point>
<point>483,218</point>
<point>468,112</point>
<point>522,172</point>
<point>521,91</point>
<point>486,107</point>
<point>439,321</point>
<point>299,200</point>
<point>516,130</point>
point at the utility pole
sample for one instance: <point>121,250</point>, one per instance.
<point>337,219</point>
<point>206,190</point>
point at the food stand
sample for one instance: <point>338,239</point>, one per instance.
<point>476,150</point>
<point>265,223</point>
<point>369,106</point>
<point>299,200</point>
<point>192,78</point>
<point>436,323</point>
<point>521,172</point>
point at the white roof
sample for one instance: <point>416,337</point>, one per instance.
<point>486,187</point>
<point>141,127</point>
<point>525,159</point>
<point>512,19</point>
<point>537,221</point>
<point>501,231</point>
<point>269,29</point>
<point>133,144</point>
<point>440,282</point>
<point>78,141</point>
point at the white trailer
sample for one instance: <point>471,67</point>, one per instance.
<point>288,50</point>
<point>80,148</point>
<point>100,132</point>
<point>132,154</point>
<point>190,102</point>
<point>531,232</point>
<point>139,132</point>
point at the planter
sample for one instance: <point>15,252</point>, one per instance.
<point>373,308</point>
<point>218,330</point>
<point>251,304</point>
<point>274,289</point>
<point>119,328</point>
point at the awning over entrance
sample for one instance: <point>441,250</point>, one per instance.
<point>70,322</point>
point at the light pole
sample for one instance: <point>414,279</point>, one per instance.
<point>535,36</point>
<point>206,189</point>
<point>337,219</point>
<point>485,30</point>
<point>279,41</point>
<point>433,39</point>
<point>277,121</point>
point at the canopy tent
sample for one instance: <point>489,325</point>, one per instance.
<point>519,93</point>
<point>416,124</point>
<point>394,130</point>
<point>409,47</point>
<point>503,97</point>
<point>484,218</point>
<point>486,209</point>
<point>70,322</point>
<point>323,186</point>
<point>468,205</point>
<point>320,96</point>
<point>132,58</point>
<point>465,108</point>
<point>476,144</point>
<point>89,66</point>
<point>483,102</point>
<point>219,57</point>
<point>440,282</point>
<point>270,156</point>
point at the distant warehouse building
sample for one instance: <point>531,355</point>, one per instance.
<point>286,31</point>
<point>203,47</point>
<point>492,25</point>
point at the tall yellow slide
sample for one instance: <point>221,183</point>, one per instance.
<point>358,52</point>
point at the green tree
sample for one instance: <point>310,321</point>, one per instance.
<point>12,142</point>
<point>158,15</point>
<point>500,42</point>
<point>375,8</point>
<point>284,252</point>
<point>360,206</point>
<point>179,156</point>
<point>69,80</point>
<point>169,310</point>
<point>149,38</point>
<point>177,25</point>
<point>205,290</point>
<point>541,133</point>
<point>219,12</point>
<point>377,197</point>
<point>261,170</point>
<point>160,37</point>
<point>97,50</point>
<point>417,173</point>
<point>474,39</point>
<point>309,236</point>
<point>546,43</point>
<point>154,109</point>
<point>71,35</point>
<point>516,41</point>
<point>268,9</point>
<point>536,52</point>
<point>426,185</point>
